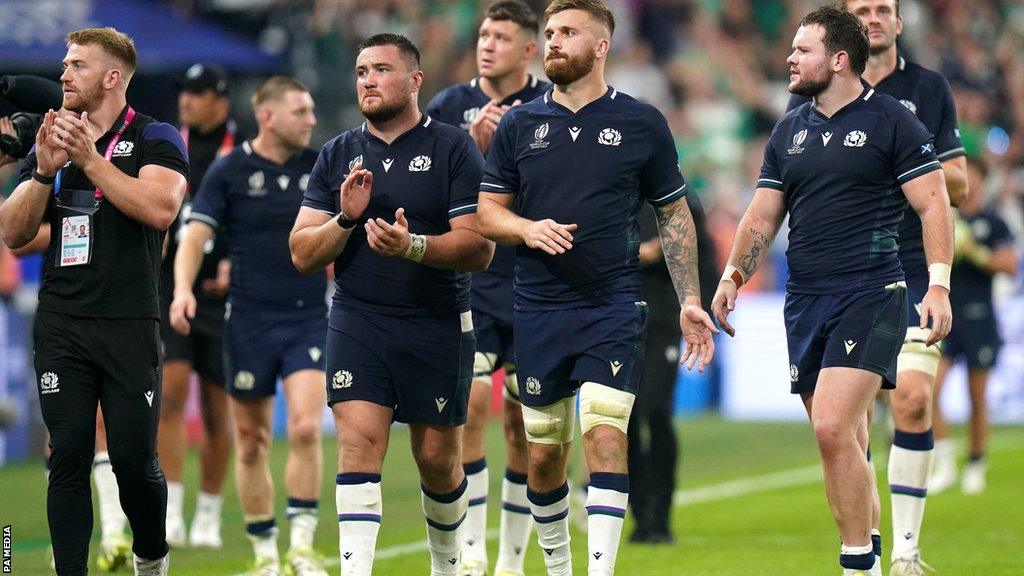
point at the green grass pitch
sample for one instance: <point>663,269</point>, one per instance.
<point>751,504</point>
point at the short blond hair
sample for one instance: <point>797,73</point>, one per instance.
<point>114,43</point>
<point>274,88</point>
<point>596,8</point>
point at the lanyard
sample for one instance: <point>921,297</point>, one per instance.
<point>98,195</point>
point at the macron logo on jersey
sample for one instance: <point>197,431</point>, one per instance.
<point>387,162</point>
<point>574,131</point>
<point>825,137</point>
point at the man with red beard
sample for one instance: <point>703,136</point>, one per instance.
<point>122,175</point>
<point>564,181</point>
<point>400,337</point>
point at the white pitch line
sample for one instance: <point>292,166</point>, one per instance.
<point>691,497</point>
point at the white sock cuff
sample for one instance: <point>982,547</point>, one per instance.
<point>101,458</point>
<point>445,511</point>
<point>856,550</point>
<point>608,502</point>
<point>359,502</point>
<point>476,490</point>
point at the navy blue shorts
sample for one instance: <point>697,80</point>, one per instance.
<point>421,366</point>
<point>975,336</point>
<point>558,350</point>
<point>493,337</point>
<point>862,329</point>
<point>263,346</point>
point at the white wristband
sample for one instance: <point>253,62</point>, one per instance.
<point>938,274</point>
<point>733,275</point>
<point>417,248</point>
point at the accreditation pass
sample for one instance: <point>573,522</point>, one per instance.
<point>75,235</point>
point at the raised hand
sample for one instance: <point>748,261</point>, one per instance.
<point>355,192</point>
<point>75,137</point>
<point>389,239</point>
<point>49,156</point>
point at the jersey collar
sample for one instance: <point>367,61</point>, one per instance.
<point>531,84</point>
<point>857,102</point>
<point>609,94</point>
<point>425,121</point>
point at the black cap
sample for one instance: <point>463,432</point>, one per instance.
<point>202,77</point>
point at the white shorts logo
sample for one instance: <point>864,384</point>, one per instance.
<point>532,386</point>
<point>341,379</point>
<point>245,381</point>
<point>48,383</point>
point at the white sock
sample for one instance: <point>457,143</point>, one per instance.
<point>206,504</point>
<point>607,497</point>
<point>910,465</point>
<point>516,522</point>
<point>444,514</point>
<point>262,532</point>
<point>551,515</point>
<point>112,518</point>
<point>175,499</point>
<point>303,517</point>
<point>358,499</point>
<point>474,530</point>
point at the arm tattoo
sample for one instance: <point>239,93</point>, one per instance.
<point>751,260</point>
<point>679,243</point>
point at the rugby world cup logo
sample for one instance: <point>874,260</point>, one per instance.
<point>798,140</point>
<point>538,137</point>
<point>356,160</point>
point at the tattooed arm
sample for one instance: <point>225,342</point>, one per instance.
<point>679,244</point>
<point>754,236</point>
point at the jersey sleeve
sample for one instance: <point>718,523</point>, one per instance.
<point>770,176</point>
<point>210,204</point>
<point>162,145</point>
<point>500,173</point>
<point>948,144</point>
<point>661,180</point>
<point>913,148</point>
<point>319,194</point>
<point>467,169</point>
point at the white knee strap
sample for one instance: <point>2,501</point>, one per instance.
<point>551,424</point>
<point>602,405</point>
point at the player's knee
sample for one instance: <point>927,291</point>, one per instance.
<point>131,463</point>
<point>552,424</point>
<point>913,404</point>
<point>304,431</point>
<point>604,407</point>
<point>252,444</point>
<point>832,435</point>
<point>546,459</point>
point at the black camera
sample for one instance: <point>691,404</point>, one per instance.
<point>18,144</point>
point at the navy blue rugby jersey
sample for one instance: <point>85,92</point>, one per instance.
<point>591,168</point>
<point>459,105</point>
<point>969,284</point>
<point>256,201</point>
<point>927,94</point>
<point>841,177</point>
<point>433,171</point>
